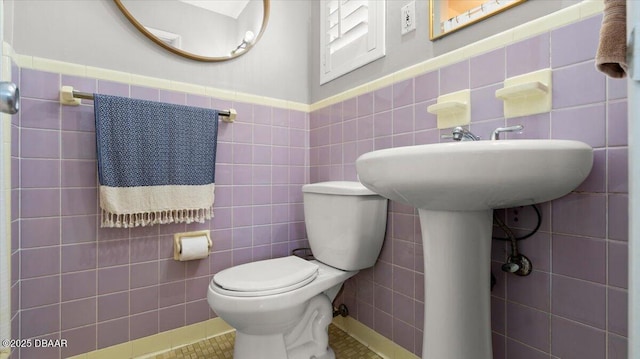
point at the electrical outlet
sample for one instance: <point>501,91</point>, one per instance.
<point>408,20</point>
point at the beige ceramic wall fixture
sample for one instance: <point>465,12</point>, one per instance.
<point>526,94</point>
<point>452,109</point>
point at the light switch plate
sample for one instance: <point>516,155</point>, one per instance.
<point>408,18</point>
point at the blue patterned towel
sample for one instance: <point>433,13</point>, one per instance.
<point>156,161</point>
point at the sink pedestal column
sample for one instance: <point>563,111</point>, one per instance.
<point>457,274</point>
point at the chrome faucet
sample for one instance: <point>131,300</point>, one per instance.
<point>495,135</point>
<point>460,134</point>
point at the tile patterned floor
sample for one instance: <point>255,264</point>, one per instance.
<point>221,347</point>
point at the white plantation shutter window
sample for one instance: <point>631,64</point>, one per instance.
<point>352,35</point>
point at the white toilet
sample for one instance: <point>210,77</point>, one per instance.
<point>281,307</point>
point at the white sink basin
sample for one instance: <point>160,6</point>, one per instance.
<point>455,187</point>
<point>476,175</point>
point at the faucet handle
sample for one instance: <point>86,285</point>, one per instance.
<point>495,135</point>
<point>461,134</point>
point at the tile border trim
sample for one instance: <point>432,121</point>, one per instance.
<point>568,15</point>
<point>67,68</point>
<point>149,347</point>
<point>373,340</point>
<point>5,215</point>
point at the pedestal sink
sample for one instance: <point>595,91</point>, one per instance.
<point>455,187</point>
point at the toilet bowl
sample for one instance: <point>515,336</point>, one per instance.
<point>281,307</point>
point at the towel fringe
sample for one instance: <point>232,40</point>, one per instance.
<point>129,220</point>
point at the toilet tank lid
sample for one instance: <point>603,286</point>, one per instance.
<point>345,188</point>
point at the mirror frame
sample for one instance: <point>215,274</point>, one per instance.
<point>189,55</point>
<point>432,24</point>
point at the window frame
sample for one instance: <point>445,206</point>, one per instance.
<point>376,47</point>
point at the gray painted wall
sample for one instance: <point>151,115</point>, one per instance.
<point>415,47</point>
<point>284,64</point>
<point>95,33</point>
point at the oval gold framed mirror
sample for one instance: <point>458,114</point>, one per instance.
<point>201,30</point>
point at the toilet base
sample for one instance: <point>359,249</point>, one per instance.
<point>259,346</point>
<point>269,346</point>
<point>309,339</point>
<point>328,355</point>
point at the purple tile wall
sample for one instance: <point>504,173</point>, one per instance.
<point>575,299</point>
<point>98,287</point>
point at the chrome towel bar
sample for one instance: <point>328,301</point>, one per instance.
<point>69,96</point>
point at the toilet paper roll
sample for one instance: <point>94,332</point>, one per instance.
<point>195,247</point>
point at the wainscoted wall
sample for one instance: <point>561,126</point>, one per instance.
<point>573,305</point>
<point>98,287</point>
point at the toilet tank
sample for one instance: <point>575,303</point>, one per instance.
<point>345,223</point>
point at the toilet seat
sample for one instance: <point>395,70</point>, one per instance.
<point>266,277</point>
